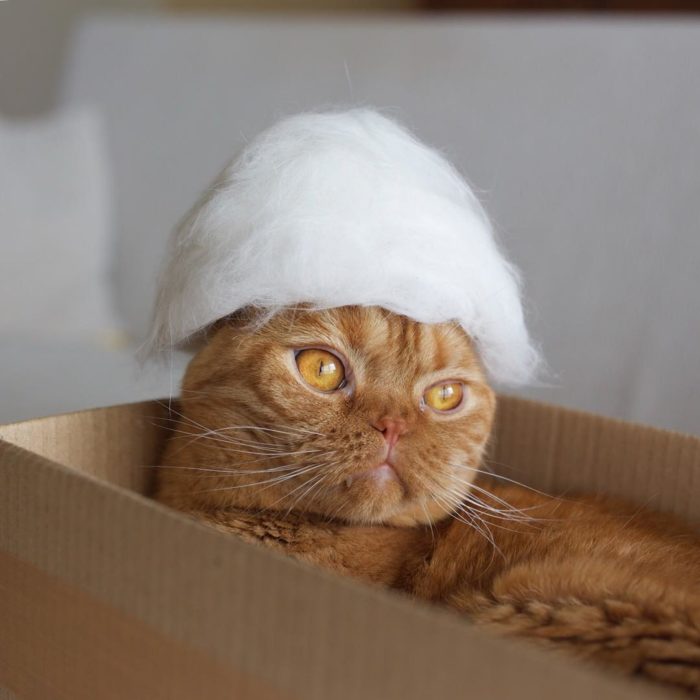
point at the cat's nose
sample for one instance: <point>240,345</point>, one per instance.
<point>391,428</point>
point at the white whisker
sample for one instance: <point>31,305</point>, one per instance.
<point>275,480</point>
<point>493,474</point>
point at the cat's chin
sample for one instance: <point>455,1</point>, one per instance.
<point>367,497</point>
<point>417,514</point>
<point>411,515</point>
<point>407,520</point>
<point>379,496</point>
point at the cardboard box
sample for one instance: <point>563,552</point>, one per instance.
<point>105,594</point>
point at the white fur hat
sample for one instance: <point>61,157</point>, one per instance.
<point>341,208</point>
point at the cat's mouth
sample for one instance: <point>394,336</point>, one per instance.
<point>380,476</point>
<point>376,494</point>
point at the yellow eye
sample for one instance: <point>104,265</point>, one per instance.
<point>321,369</point>
<point>444,397</point>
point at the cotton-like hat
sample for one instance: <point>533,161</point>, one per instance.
<point>338,208</point>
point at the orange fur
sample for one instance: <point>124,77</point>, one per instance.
<point>257,452</point>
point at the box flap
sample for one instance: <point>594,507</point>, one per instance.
<point>115,444</point>
<point>561,451</point>
<point>551,448</point>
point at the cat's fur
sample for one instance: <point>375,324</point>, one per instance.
<point>257,452</point>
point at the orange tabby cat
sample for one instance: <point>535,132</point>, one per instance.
<point>351,438</point>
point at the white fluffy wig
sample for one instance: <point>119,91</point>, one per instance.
<point>339,208</point>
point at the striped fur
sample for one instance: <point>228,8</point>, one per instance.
<point>256,452</point>
<point>245,376</point>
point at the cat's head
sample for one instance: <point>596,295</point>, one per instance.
<point>353,413</point>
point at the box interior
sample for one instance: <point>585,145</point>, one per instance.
<point>157,593</point>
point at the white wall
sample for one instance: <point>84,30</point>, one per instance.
<point>34,35</point>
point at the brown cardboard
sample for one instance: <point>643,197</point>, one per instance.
<point>106,594</point>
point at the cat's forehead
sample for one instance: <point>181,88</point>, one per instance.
<point>372,335</point>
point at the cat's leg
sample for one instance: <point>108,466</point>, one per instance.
<point>372,554</point>
<point>597,611</point>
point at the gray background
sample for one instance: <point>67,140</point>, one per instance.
<point>581,137</point>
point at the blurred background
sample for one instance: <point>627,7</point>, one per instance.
<point>577,122</point>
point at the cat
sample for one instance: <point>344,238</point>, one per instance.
<point>352,438</point>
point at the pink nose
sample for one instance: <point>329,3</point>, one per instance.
<point>391,428</point>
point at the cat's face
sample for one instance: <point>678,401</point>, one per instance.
<point>353,413</point>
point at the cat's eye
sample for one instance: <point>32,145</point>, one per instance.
<point>321,369</point>
<point>444,397</point>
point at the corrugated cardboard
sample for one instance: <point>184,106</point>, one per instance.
<point>107,594</point>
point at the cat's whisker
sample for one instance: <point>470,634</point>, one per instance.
<point>213,435</point>
<point>511,513</point>
<point>452,500</point>
<point>285,429</point>
<point>461,497</point>
<point>454,512</point>
<point>474,502</point>
<point>288,429</point>
<point>272,455</point>
<point>315,468</point>
<point>295,431</point>
<point>483,515</point>
<point>262,450</point>
<point>319,489</point>
<point>241,442</point>
<point>325,490</point>
<point>186,418</point>
<point>429,521</point>
<point>207,431</point>
<point>254,448</point>
<point>463,501</point>
<point>477,523</point>
<point>336,511</point>
<point>276,480</point>
<point>335,469</point>
<point>258,460</point>
<point>497,514</point>
<point>495,549</point>
<point>491,473</point>
<point>483,524</point>
<point>305,483</point>
<point>315,481</point>
<point>217,437</point>
<point>217,471</point>
<point>470,522</point>
<point>508,506</point>
<point>257,450</point>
